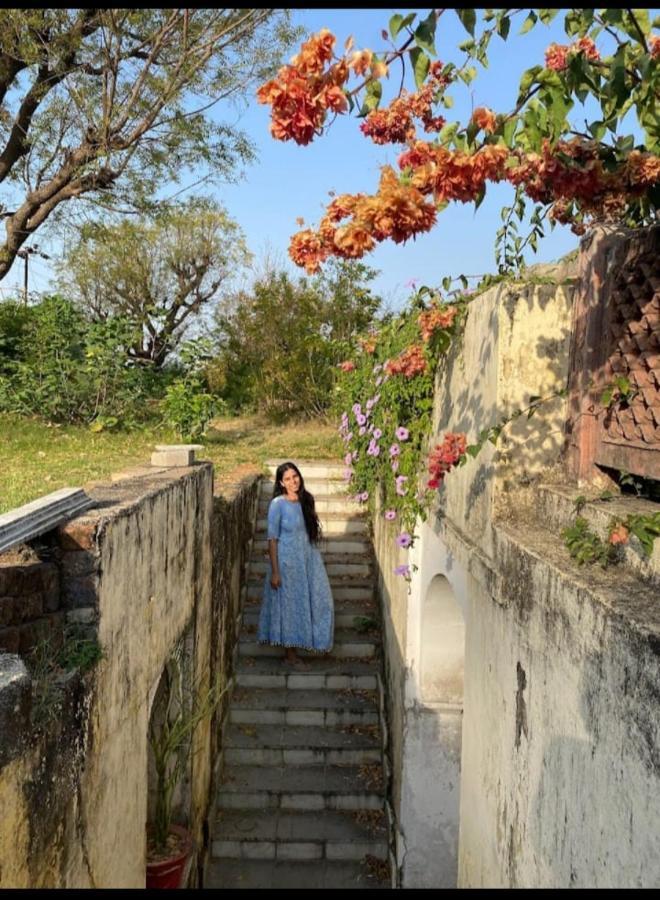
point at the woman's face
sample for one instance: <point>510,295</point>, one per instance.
<point>291,481</point>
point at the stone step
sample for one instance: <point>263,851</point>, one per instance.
<point>277,706</point>
<point>329,545</point>
<point>348,643</point>
<point>331,523</point>
<point>362,569</point>
<point>276,834</point>
<point>354,615</point>
<point>343,588</point>
<point>313,485</point>
<point>338,673</point>
<point>285,874</point>
<point>301,745</point>
<point>324,503</point>
<point>311,468</point>
<point>302,787</point>
<point>342,592</point>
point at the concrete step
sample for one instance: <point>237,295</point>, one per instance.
<point>351,615</point>
<point>302,787</point>
<point>323,671</point>
<point>313,485</point>
<point>285,874</point>
<point>332,523</point>
<point>324,503</point>
<point>348,644</point>
<point>301,745</point>
<point>278,706</point>
<point>334,565</point>
<point>344,590</point>
<point>276,834</point>
<point>328,545</point>
<point>311,468</point>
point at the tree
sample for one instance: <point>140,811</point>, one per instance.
<point>158,272</point>
<point>573,173</point>
<point>96,102</point>
<point>281,341</point>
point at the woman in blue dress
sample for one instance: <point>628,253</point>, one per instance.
<point>297,609</point>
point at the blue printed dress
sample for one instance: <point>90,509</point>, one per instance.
<point>300,613</point>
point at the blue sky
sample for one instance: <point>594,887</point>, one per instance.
<point>289,181</point>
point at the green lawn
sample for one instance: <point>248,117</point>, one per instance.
<point>36,458</point>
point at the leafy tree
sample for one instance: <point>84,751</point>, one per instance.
<point>99,102</point>
<point>158,272</point>
<point>281,340</point>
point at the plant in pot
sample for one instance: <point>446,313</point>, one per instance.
<point>169,845</point>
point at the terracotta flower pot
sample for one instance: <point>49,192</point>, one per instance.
<point>168,873</point>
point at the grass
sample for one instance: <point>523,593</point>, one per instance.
<point>37,458</point>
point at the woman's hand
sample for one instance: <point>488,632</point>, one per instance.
<point>275,580</point>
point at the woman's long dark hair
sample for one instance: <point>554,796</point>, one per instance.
<point>306,499</point>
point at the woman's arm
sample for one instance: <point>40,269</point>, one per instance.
<point>275,579</point>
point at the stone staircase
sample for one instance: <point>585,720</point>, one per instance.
<point>302,801</point>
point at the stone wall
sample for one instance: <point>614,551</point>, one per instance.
<point>137,571</point>
<point>525,687</point>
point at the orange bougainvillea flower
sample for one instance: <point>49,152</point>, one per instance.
<point>434,319</point>
<point>654,46</point>
<point>484,118</point>
<point>360,61</point>
<point>619,535</point>
<point>347,366</point>
<point>410,362</point>
<point>556,57</point>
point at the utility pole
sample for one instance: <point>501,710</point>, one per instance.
<point>24,254</point>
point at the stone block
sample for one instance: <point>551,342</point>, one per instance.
<point>78,535</point>
<point>7,611</point>
<point>79,562</point>
<point>174,454</point>
<point>9,640</point>
<point>258,850</point>
<point>80,592</point>
<point>85,616</point>
<point>302,801</point>
<point>42,515</point>
<point>29,607</point>
<point>49,628</point>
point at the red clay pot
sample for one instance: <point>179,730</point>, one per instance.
<point>167,873</point>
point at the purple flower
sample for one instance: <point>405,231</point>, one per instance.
<point>390,515</point>
<point>395,464</point>
<point>357,409</point>
<point>370,403</point>
<point>404,539</point>
<point>348,474</point>
<point>377,368</point>
<point>373,449</point>
<point>349,435</point>
<point>379,381</point>
<point>378,433</point>
<point>401,488</point>
<point>361,419</point>
<point>362,430</point>
<point>363,497</point>
<point>348,459</point>
<point>402,434</point>
<point>395,450</point>
<point>412,283</point>
<point>402,570</point>
<point>376,398</point>
<point>371,427</point>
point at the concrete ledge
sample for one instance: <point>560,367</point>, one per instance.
<point>175,454</point>
<point>41,515</point>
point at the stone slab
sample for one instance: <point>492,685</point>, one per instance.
<point>36,518</point>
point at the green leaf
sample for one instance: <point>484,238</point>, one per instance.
<point>420,64</point>
<point>547,15</point>
<point>529,23</point>
<point>503,27</point>
<point>527,80</point>
<point>468,19</point>
<point>397,22</point>
<point>425,34</point>
<point>467,75</point>
<point>606,397</point>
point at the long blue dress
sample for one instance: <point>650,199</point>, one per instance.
<point>300,613</point>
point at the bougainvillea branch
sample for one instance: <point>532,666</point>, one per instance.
<point>574,177</point>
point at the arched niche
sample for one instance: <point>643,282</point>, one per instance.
<point>442,644</point>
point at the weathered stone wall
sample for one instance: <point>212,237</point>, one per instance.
<point>137,571</point>
<point>29,602</point>
<point>559,775</point>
